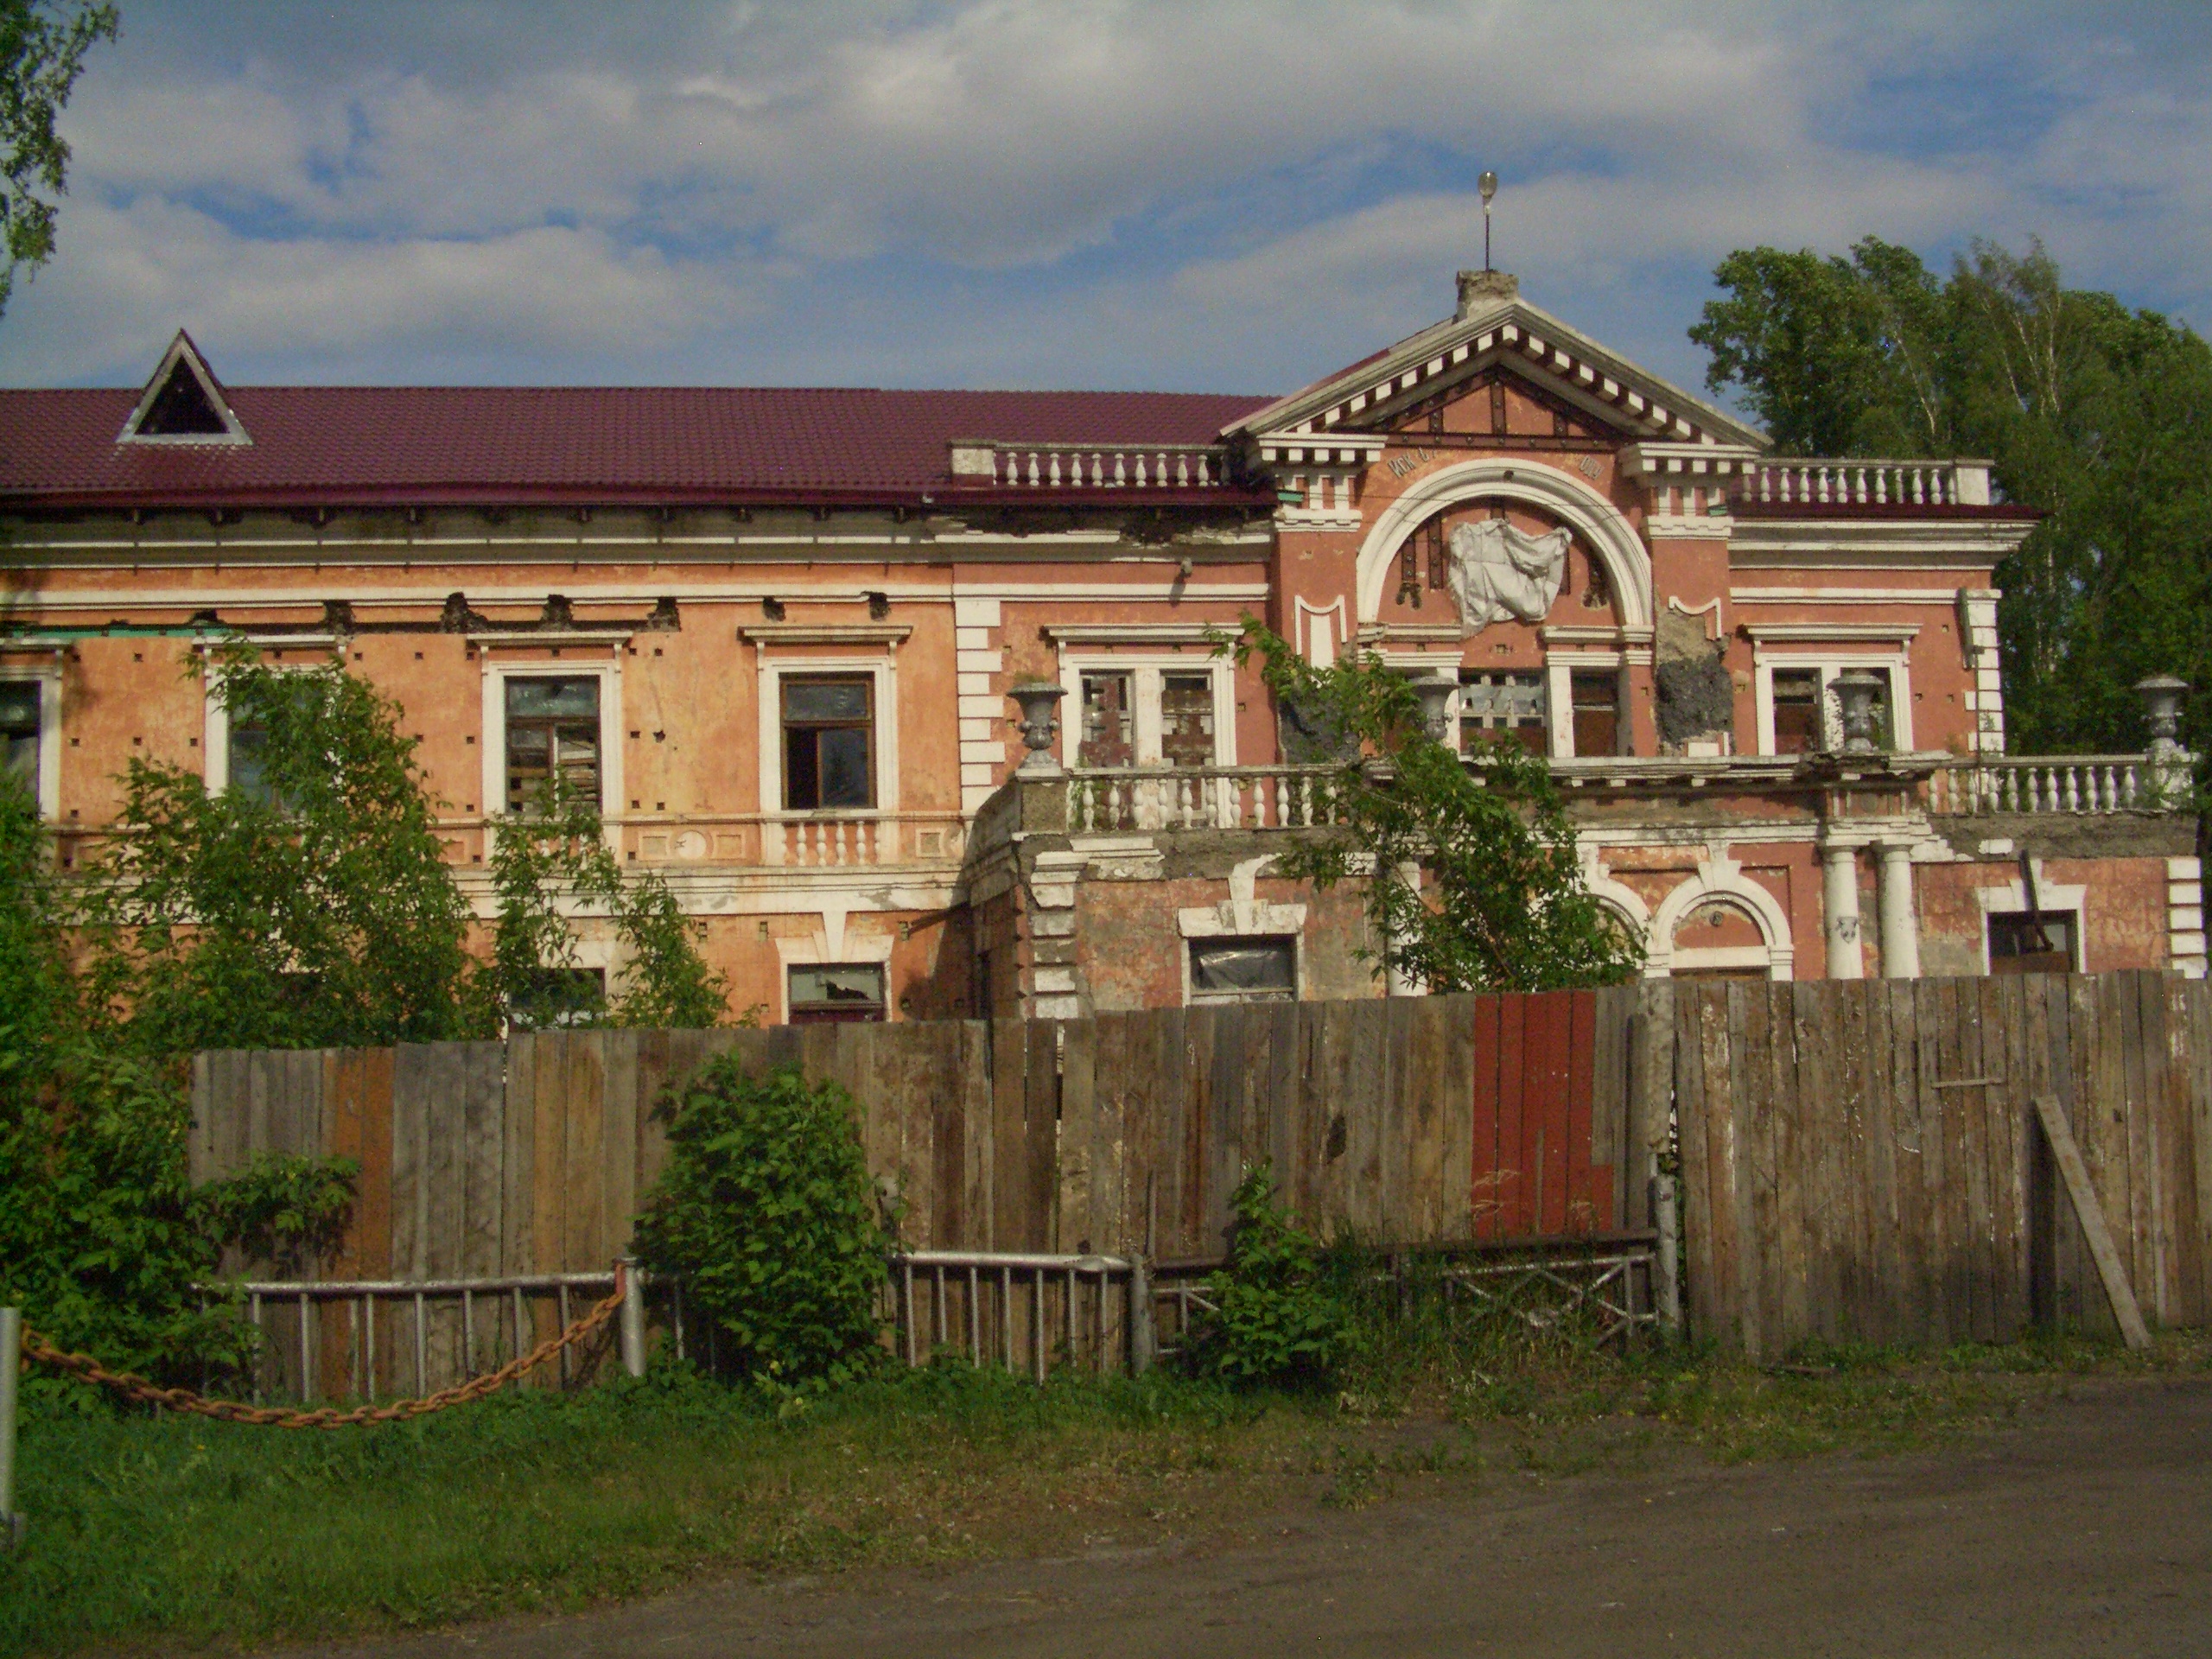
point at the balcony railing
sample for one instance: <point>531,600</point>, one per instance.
<point>2056,783</point>
<point>1107,801</point>
<point>1092,465</point>
<point>1869,483</point>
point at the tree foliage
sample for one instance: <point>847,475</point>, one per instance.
<point>765,1213</point>
<point>2098,416</point>
<point>315,910</point>
<point>1470,876</point>
<point>102,1234</point>
<point>43,47</point>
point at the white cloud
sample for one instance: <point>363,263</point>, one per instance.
<point>1117,192</point>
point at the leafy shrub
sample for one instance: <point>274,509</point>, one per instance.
<point>1280,1322</point>
<point>766,1214</point>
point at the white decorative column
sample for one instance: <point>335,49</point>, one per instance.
<point>1840,897</point>
<point>1900,927</point>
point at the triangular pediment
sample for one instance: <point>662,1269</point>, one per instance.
<point>183,402</point>
<point>1498,332</point>
<point>1501,401</point>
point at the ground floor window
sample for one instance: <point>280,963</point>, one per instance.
<point>836,993</point>
<point>2032,942</point>
<point>1244,969</point>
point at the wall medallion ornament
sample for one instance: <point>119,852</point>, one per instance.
<point>1498,570</point>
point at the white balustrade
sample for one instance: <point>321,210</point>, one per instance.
<point>1058,467</point>
<point>1105,801</point>
<point>1853,483</point>
<point>2081,783</point>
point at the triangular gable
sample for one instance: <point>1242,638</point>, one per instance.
<point>1496,328</point>
<point>183,402</point>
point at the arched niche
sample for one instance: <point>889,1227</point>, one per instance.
<point>1755,931</point>
<point>1566,499</point>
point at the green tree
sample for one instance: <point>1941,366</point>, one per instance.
<point>42,49</point>
<point>556,859</point>
<point>308,905</point>
<point>2096,415</point>
<point>1470,876</point>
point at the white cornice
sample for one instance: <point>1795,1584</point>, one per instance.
<point>1926,543</point>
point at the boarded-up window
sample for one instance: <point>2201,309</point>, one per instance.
<point>828,743</point>
<point>1109,732</point>
<point>2031,942</point>
<point>552,731</point>
<point>1597,712</point>
<point>1186,720</point>
<point>836,993</point>
<point>1503,705</point>
<point>1243,971</point>
<point>1797,711</point>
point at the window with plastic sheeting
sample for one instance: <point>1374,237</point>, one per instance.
<point>1244,970</point>
<point>552,732</point>
<point>836,993</point>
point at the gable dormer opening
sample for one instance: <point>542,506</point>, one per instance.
<point>183,402</point>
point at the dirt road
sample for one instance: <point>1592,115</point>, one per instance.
<point>2088,1532</point>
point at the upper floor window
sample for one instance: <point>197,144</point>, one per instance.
<point>19,728</point>
<point>248,766</point>
<point>1597,694</point>
<point>1503,706</point>
<point>1798,721</point>
<point>552,731</point>
<point>829,742</point>
<point>1110,727</point>
<point>1186,733</point>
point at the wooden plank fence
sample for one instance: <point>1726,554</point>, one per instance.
<point>1860,1160</point>
<point>1409,1121</point>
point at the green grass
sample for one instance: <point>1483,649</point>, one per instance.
<point>169,1533</point>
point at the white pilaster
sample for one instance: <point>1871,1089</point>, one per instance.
<point>1839,896</point>
<point>1900,927</point>
<point>980,664</point>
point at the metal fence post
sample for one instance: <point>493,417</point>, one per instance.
<point>1669,1222</point>
<point>634,1317</point>
<point>11,1363</point>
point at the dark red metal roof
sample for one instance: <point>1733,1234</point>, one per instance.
<point>356,445</point>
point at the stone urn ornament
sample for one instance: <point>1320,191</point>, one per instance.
<point>1857,694</point>
<point>2161,695</point>
<point>1436,692</point>
<point>1040,724</point>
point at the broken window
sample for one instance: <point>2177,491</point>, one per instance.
<point>1797,717</point>
<point>249,761</point>
<point>1597,712</point>
<point>836,993</point>
<point>2031,942</point>
<point>552,732</point>
<point>1503,706</point>
<point>1186,720</point>
<point>1110,731</point>
<point>1243,971</point>
<point>828,743</point>
<point>19,716</point>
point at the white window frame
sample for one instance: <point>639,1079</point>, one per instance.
<point>48,784</point>
<point>884,672</point>
<point>2011,898</point>
<point>215,728</point>
<point>1895,665</point>
<point>1560,669</point>
<point>1145,669</point>
<point>492,737</point>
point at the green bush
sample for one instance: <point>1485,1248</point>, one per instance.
<point>1280,1321</point>
<point>766,1215</point>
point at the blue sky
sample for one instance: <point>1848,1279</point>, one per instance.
<point>1182,195</point>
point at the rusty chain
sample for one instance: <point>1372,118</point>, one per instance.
<point>87,1369</point>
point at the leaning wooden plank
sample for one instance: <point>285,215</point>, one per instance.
<point>2068,1156</point>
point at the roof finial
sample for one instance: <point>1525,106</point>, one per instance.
<point>1488,185</point>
